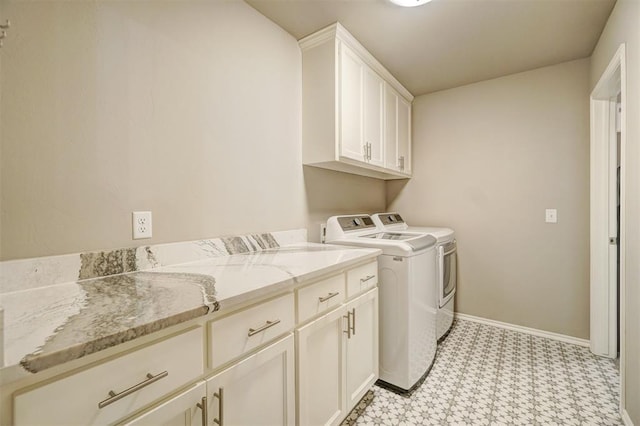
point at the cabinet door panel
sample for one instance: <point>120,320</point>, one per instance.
<point>362,347</point>
<point>391,128</point>
<point>351,114</point>
<point>404,135</point>
<point>256,391</point>
<point>373,116</point>
<point>321,366</point>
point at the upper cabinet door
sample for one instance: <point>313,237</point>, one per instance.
<point>397,131</point>
<point>351,107</point>
<point>373,117</point>
<point>404,135</point>
<point>391,128</point>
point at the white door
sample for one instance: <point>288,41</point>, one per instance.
<point>373,117</point>
<point>182,410</point>
<point>404,135</point>
<point>321,375</point>
<point>258,390</point>
<point>351,103</point>
<point>362,347</point>
<point>391,128</point>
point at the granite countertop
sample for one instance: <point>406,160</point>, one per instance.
<point>48,326</point>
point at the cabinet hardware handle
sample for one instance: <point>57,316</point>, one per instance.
<point>369,151</point>
<point>353,324</point>
<point>6,25</point>
<point>220,395</point>
<point>266,325</point>
<point>365,147</point>
<point>348,317</point>
<point>328,296</point>
<point>369,277</point>
<point>401,163</point>
<point>203,406</point>
<point>113,397</point>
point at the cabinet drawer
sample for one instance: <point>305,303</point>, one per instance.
<point>320,297</point>
<point>140,377</point>
<point>362,278</point>
<point>236,334</point>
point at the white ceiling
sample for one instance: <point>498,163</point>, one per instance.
<point>449,43</point>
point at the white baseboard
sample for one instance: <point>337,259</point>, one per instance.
<point>527,330</point>
<point>626,419</point>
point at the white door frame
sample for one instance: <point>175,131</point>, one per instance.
<point>603,288</point>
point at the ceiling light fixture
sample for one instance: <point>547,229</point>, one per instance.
<point>409,3</point>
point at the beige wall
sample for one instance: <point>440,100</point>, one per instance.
<point>624,27</point>
<point>189,109</point>
<point>489,158</point>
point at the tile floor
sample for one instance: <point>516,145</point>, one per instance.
<point>485,375</point>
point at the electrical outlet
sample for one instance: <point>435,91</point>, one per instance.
<point>142,225</point>
<point>551,216</point>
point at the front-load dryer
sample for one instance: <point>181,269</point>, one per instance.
<point>408,299</point>
<point>446,263</point>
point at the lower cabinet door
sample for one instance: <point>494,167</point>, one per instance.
<point>321,365</point>
<point>362,347</point>
<point>185,409</point>
<point>258,390</point>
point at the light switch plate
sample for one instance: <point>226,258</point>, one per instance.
<point>551,216</point>
<point>142,225</point>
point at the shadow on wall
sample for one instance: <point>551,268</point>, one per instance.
<point>332,193</point>
<point>394,189</point>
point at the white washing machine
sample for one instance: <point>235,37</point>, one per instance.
<point>446,263</point>
<point>408,298</point>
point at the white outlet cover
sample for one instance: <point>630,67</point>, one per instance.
<point>551,216</point>
<point>142,225</point>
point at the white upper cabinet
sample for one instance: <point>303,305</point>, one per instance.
<point>397,131</point>
<point>346,111</point>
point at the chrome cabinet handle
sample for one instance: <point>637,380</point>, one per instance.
<point>348,317</point>
<point>401,163</point>
<point>220,395</point>
<point>113,397</point>
<point>369,150</point>
<point>203,406</point>
<point>369,277</point>
<point>268,324</point>
<point>365,147</point>
<point>328,296</point>
<point>353,324</point>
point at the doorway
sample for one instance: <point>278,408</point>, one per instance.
<point>608,142</point>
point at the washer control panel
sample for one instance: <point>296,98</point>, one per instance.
<point>353,223</point>
<point>390,218</point>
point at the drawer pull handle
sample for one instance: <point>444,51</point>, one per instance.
<point>348,331</point>
<point>369,277</point>
<point>113,397</point>
<point>266,325</point>
<point>203,406</point>
<point>328,296</point>
<point>353,323</point>
<point>220,394</point>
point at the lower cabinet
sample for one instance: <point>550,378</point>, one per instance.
<point>186,409</point>
<point>321,365</point>
<point>258,390</point>
<point>337,361</point>
<point>362,347</point>
<point>265,368</point>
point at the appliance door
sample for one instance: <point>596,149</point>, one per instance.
<point>448,277</point>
